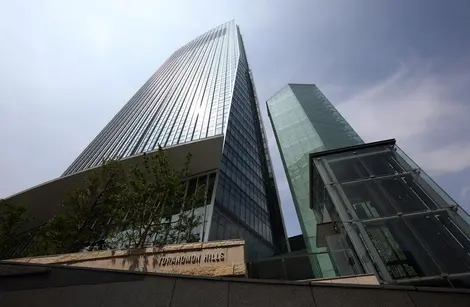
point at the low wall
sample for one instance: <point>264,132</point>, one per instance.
<point>24,284</point>
<point>216,258</point>
<point>362,279</point>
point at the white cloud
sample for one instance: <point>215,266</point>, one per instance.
<point>448,159</point>
<point>465,192</point>
<point>421,111</point>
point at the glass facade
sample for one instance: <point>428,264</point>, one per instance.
<point>304,121</point>
<point>399,223</point>
<point>188,98</point>
<point>243,189</point>
<point>205,89</point>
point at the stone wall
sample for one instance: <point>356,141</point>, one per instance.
<point>217,258</point>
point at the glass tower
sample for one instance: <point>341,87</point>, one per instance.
<point>304,121</point>
<point>188,98</point>
<point>205,89</point>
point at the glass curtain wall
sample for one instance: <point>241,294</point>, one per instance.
<point>398,221</point>
<point>305,121</point>
<point>241,208</point>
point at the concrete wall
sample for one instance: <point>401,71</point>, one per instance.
<point>216,258</point>
<point>44,200</point>
<point>52,285</point>
<point>361,279</point>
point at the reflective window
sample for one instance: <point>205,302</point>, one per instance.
<point>400,250</point>
<point>385,197</point>
<point>444,240</point>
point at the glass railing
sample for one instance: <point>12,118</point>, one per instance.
<point>298,267</point>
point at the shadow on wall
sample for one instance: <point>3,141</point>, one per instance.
<point>216,258</point>
<point>51,285</point>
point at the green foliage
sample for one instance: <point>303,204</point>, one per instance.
<point>125,207</point>
<point>87,210</point>
<point>12,218</point>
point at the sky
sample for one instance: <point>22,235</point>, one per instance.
<point>393,68</point>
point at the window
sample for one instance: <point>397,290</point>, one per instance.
<point>191,187</point>
<point>210,188</point>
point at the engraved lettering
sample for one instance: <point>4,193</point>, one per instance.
<point>191,259</point>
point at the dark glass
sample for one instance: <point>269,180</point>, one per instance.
<point>400,250</point>
<point>267,269</point>
<point>220,231</point>
<point>321,201</point>
<point>381,164</point>
<point>298,268</point>
<point>446,242</point>
<point>210,188</point>
<point>191,187</point>
<point>385,197</point>
<point>459,281</point>
<point>348,170</point>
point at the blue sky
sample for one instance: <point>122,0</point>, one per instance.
<point>393,68</point>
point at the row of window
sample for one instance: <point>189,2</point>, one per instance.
<point>246,140</point>
<point>190,102</point>
<point>224,227</point>
<point>248,184</point>
<point>160,112</point>
<point>246,150</point>
<point>136,108</point>
<point>244,121</point>
<point>235,168</point>
<point>241,187</point>
<point>259,207</point>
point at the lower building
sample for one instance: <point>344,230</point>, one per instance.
<point>379,212</point>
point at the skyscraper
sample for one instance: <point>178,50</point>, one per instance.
<point>203,90</point>
<point>304,121</point>
<point>188,98</point>
<point>201,100</point>
<point>365,208</point>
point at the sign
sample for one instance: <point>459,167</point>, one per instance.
<point>216,258</point>
<point>193,258</point>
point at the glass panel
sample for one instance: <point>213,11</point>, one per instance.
<point>268,269</point>
<point>298,268</point>
<point>381,164</point>
<point>322,205</point>
<point>460,281</point>
<point>201,181</point>
<point>210,188</point>
<point>448,244</point>
<point>386,197</point>
<point>191,187</point>
<point>348,170</point>
<point>220,232</point>
<point>343,255</point>
<point>399,249</point>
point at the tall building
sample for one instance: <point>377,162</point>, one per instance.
<point>201,100</point>
<point>365,208</point>
<point>304,121</point>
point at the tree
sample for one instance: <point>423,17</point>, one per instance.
<point>157,210</point>
<point>12,218</point>
<point>125,207</point>
<point>87,211</point>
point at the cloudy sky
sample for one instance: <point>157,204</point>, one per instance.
<point>394,68</point>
